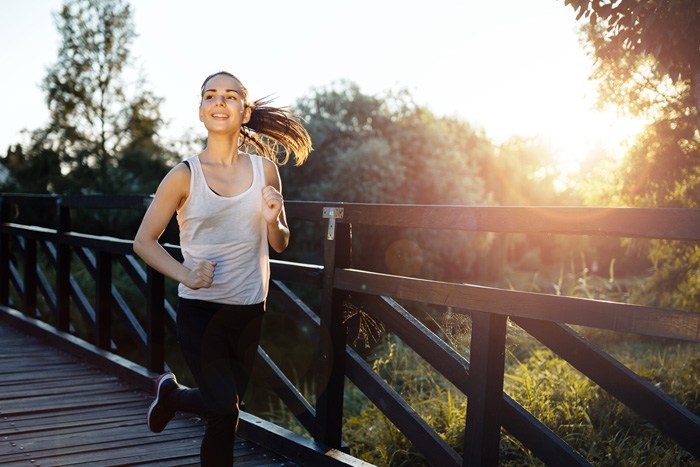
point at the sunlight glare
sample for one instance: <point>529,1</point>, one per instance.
<point>588,136</point>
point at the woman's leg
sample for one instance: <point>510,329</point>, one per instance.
<point>219,343</point>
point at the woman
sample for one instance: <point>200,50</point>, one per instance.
<point>229,208</point>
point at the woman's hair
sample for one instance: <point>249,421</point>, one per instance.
<point>274,132</point>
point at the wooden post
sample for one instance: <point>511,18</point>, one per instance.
<point>103,315</point>
<point>485,397</point>
<point>30,277</point>
<point>156,320</point>
<point>62,268</point>
<point>330,381</point>
<point>4,255</point>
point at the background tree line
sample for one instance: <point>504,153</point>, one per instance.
<point>103,137</point>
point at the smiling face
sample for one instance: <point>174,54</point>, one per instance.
<point>222,108</point>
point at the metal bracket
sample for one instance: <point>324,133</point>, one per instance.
<point>332,214</point>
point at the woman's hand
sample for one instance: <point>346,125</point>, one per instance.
<point>202,276</point>
<point>273,208</point>
<point>272,204</point>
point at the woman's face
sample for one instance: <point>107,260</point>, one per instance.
<point>222,108</point>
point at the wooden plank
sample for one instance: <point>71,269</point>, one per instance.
<point>86,444</point>
<point>17,407</point>
<point>135,202</point>
<point>8,355</point>
<point>179,453</point>
<point>30,391</point>
<point>482,435</point>
<point>45,422</point>
<point>93,414</point>
<point>673,224</point>
<point>330,372</point>
<point>155,321</point>
<point>95,426</point>
<point>130,439</point>
<point>60,372</point>
<point>60,376</point>
<point>297,273</point>
<point>676,223</point>
<point>276,379</point>
<point>620,317</point>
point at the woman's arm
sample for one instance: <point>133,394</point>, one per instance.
<point>273,208</point>
<point>170,194</point>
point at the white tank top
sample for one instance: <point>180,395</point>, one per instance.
<point>228,230</point>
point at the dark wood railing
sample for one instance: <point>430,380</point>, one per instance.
<point>49,289</point>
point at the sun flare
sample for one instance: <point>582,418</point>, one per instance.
<point>588,135</point>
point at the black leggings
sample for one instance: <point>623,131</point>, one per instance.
<point>219,343</point>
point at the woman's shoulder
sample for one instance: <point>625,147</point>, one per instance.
<point>189,162</point>
<point>179,175</point>
<point>255,157</point>
<point>268,165</point>
<point>272,176</point>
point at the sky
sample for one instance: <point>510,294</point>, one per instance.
<point>509,67</point>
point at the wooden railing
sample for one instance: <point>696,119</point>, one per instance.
<point>38,277</point>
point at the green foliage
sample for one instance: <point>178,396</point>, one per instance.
<point>669,31</point>
<point>102,131</point>
<point>675,282</point>
<point>34,172</point>
<point>648,64</point>
<point>384,149</point>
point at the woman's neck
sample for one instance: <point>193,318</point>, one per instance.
<point>221,149</point>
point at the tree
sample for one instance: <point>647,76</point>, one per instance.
<point>102,131</point>
<point>33,173</point>
<point>648,63</point>
<point>668,30</point>
<point>387,149</point>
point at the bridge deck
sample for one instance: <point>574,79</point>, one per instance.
<point>58,410</point>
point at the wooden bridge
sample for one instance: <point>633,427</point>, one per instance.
<point>57,409</point>
<point>46,262</point>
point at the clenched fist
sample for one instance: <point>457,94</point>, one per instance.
<point>201,276</point>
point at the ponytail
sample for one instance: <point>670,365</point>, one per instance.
<point>275,132</point>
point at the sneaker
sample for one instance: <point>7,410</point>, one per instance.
<point>159,414</point>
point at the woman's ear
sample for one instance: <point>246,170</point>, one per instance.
<point>246,114</point>
<point>201,114</point>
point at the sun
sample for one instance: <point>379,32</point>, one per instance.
<point>585,134</point>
